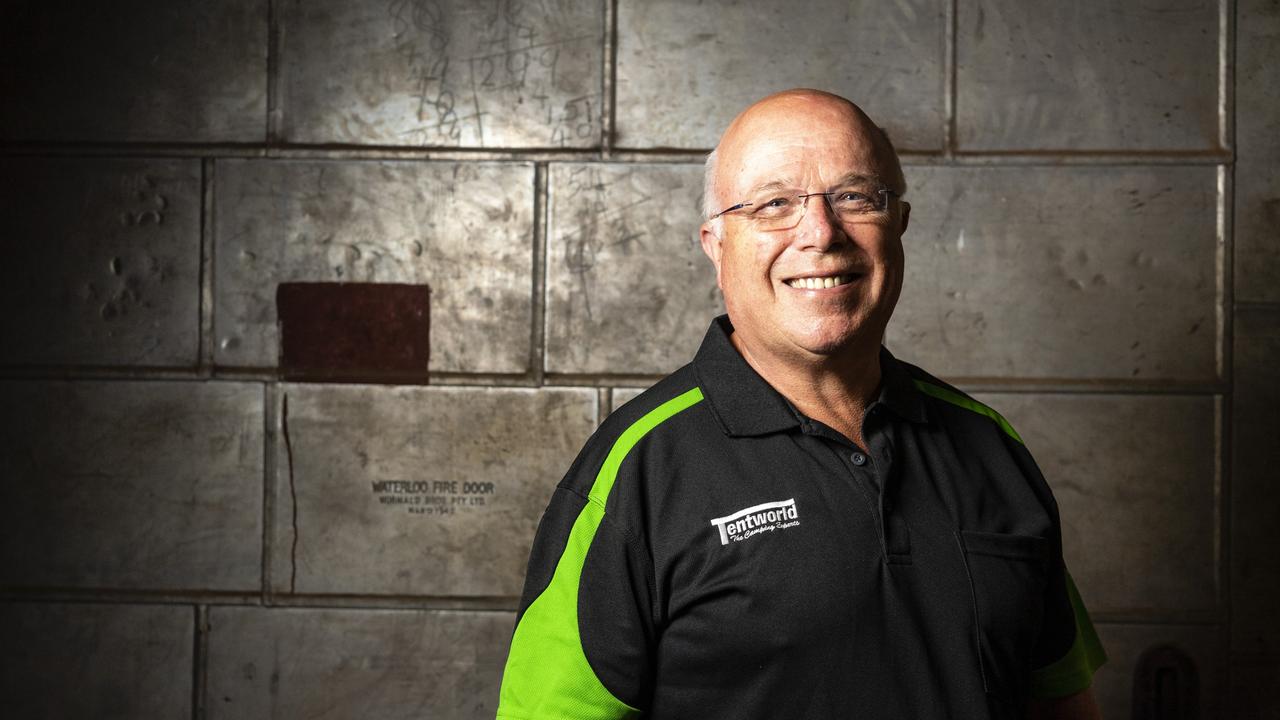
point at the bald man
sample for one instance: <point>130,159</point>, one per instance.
<point>797,524</point>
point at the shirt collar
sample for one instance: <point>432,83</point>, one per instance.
<point>747,405</point>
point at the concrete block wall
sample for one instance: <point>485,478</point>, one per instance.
<point>1093,251</point>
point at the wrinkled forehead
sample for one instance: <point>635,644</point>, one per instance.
<point>801,144</point>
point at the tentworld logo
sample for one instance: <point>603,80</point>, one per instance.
<point>765,517</point>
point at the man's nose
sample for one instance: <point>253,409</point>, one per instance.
<point>819,228</point>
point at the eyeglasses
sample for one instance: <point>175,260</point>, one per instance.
<point>785,211</point>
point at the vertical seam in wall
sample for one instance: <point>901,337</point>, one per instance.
<point>537,339</point>
<point>200,663</point>
<point>273,80</point>
<point>293,494</point>
<point>1226,75</point>
<point>1226,343</point>
<point>609,79</point>
<point>1222,518</point>
<point>1225,269</point>
<point>270,397</point>
<point>204,359</point>
<point>604,403</point>
<point>949,42</point>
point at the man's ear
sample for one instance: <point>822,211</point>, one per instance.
<point>712,245</point>
<point>906,216</point>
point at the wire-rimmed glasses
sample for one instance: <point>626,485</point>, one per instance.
<point>784,210</point>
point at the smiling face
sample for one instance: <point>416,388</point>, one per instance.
<point>826,286</point>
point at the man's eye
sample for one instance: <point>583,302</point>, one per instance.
<point>778,202</point>
<point>850,200</point>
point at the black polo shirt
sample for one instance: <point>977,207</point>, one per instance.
<point>713,553</point>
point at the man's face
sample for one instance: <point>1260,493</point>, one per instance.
<point>807,144</point>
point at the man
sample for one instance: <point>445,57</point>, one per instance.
<point>796,524</point>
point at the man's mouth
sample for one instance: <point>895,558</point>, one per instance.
<point>820,281</point>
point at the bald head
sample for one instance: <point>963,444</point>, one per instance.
<point>786,117</point>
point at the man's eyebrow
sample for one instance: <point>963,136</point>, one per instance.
<point>856,178</point>
<point>846,180</point>
<point>773,185</point>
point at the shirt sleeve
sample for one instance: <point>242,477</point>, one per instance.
<point>582,640</point>
<point>1073,671</point>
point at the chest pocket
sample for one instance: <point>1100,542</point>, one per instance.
<point>1008,574</point>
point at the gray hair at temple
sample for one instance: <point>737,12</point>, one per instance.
<point>711,200</point>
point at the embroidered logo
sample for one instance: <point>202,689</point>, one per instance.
<point>765,517</point>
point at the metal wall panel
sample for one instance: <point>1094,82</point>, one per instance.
<point>629,289</point>
<point>1255,502</point>
<point>90,662</point>
<point>1066,272</point>
<point>1257,127</point>
<point>357,664</point>
<point>418,491</point>
<point>1003,278</point>
<point>685,69</point>
<point>465,229</point>
<point>1113,684</point>
<point>1045,75</point>
<point>442,72</point>
<point>134,70</point>
<point>132,485</point>
<point>103,261</point>
<point>1135,479</point>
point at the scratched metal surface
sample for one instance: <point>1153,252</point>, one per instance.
<point>356,664</point>
<point>102,261</point>
<point>448,73</point>
<point>87,662</point>
<point>1125,643</point>
<point>1257,184</point>
<point>629,289</point>
<point>464,229</point>
<point>685,69</point>
<point>1046,75</point>
<point>134,70</point>
<point>1136,480</point>
<point>131,485</point>
<point>1255,504</point>
<point>1066,272</point>
<point>503,449</point>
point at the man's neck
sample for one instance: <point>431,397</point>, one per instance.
<point>835,390</point>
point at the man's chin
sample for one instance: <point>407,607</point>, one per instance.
<point>836,336</point>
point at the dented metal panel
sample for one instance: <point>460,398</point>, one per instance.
<point>87,662</point>
<point>464,229</point>
<point>417,491</point>
<point>1135,477</point>
<point>356,664</point>
<point>1257,133</point>
<point>629,289</point>
<point>102,262</point>
<point>1255,504</point>
<point>1113,685</point>
<point>134,70</point>
<point>685,69</point>
<point>1048,75</point>
<point>131,485</point>
<point>442,73</point>
<point>1061,272</point>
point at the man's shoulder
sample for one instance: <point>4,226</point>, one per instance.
<point>650,416</point>
<point>952,406</point>
<point>650,410</point>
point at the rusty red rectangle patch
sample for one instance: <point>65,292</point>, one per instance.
<point>354,332</point>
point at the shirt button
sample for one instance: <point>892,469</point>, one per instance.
<point>859,459</point>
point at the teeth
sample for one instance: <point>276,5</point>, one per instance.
<point>818,283</point>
